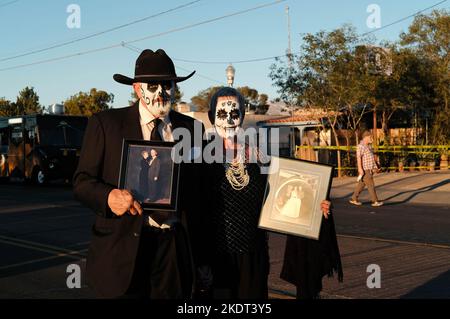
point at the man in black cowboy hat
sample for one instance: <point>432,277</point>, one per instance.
<point>131,253</point>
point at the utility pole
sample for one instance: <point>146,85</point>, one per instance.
<point>289,50</point>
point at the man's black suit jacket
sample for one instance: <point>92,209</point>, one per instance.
<point>154,186</point>
<point>154,169</point>
<point>115,240</point>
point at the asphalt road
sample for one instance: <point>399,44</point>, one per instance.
<point>43,230</point>
<point>417,208</point>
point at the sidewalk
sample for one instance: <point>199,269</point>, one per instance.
<point>430,188</point>
<point>408,270</point>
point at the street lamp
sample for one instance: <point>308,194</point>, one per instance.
<point>231,71</point>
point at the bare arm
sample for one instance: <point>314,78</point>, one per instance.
<point>359,159</point>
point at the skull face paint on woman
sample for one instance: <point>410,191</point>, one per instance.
<point>156,97</point>
<point>228,116</point>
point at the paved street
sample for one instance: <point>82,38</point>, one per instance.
<point>42,230</point>
<point>417,208</point>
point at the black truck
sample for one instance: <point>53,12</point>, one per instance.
<point>40,148</point>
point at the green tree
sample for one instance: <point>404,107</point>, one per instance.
<point>326,75</point>
<point>336,74</point>
<point>408,87</point>
<point>203,98</point>
<point>28,102</point>
<point>429,38</point>
<point>7,108</point>
<point>88,103</point>
<point>263,106</point>
<point>251,95</point>
<point>263,99</point>
<point>252,98</point>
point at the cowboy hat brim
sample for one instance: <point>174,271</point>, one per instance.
<point>150,78</point>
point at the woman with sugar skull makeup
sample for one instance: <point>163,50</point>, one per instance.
<point>237,248</point>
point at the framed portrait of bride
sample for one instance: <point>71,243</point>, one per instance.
<point>294,192</point>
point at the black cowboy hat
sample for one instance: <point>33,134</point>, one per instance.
<point>152,67</point>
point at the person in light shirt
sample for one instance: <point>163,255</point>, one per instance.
<point>368,165</point>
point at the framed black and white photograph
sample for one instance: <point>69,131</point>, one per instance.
<point>294,194</point>
<point>148,171</point>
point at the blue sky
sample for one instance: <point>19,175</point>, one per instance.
<point>27,25</point>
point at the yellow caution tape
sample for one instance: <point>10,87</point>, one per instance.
<point>396,168</point>
<point>384,149</point>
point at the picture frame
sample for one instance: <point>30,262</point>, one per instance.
<point>148,171</point>
<point>294,193</point>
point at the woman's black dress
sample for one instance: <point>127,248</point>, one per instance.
<point>143,179</point>
<point>239,253</point>
<point>307,261</point>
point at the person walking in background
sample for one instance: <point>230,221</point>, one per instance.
<point>367,166</point>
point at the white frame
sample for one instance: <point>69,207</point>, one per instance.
<point>314,178</point>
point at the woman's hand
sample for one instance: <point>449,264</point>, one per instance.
<point>325,206</point>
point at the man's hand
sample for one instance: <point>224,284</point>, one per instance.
<point>121,201</point>
<point>378,170</point>
<point>325,206</point>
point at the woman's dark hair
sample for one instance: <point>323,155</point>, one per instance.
<point>225,91</point>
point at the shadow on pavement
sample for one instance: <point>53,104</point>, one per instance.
<point>414,193</point>
<point>377,185</point>
<point>437,288</point>
<point>380,185</point>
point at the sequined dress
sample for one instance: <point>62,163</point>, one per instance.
<point>235,214</point>
<point>240,251</point>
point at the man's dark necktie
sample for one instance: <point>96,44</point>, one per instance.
<point>155,135</point>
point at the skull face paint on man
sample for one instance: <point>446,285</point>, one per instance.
<point>156,97</point>
<point>228,116</point>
